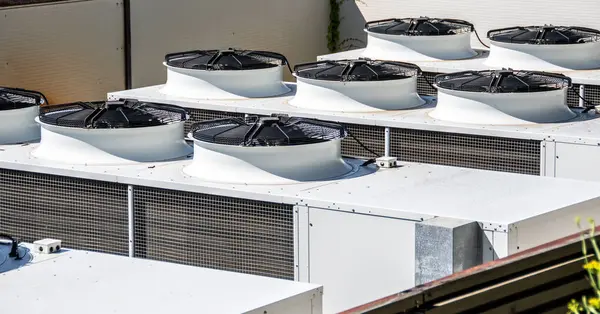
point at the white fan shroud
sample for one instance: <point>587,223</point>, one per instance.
<point>224,84</point>
<point>582,56</point>
<point>267,164</point>
<point>418,48</point>
<point>502,108</point>
<point>111,146</point>
<point>356,96</point>
<point>19,126</point>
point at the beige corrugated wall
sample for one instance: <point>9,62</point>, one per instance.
<point>69,51</point>
<point>295,28</point>
<point>485,14</point>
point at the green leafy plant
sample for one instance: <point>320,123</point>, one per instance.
<point>589,305</point>
<point>334,43</point>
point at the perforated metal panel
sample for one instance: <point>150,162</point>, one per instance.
<point>423,88</point>
<point>219,232</point>
<point>197,115</point>
<point>592,94</point>
<point>373,137</point>
<point>469,151</point>
<point>84,214</point>
<point>572,98</point>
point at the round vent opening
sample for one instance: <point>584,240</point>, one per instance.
<point>360,85</point>
<point>112,114</point>
<point>111,133</point>
<point>356,70</point>
<point>225,74</point>
<point>18,110</point>
<point>502,97</point>
<point>422,26</point>
<point>231,59</point>
<point>502,81</point>
<point>267,150</point>
<point>16,98</point>
<point>544,35</point>
<point>266,131</point>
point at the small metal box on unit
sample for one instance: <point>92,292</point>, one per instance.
<point>47,246</point>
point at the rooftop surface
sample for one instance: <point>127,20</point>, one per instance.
<point>413,191</point>
<point>74,281</point>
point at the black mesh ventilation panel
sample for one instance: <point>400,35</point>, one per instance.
<point>422,26</point>
<point>112,114</point>
<point>468,151</point>
<point>232,234</point>
<point>16,98</point>
<point>544,35</point>
<point>502,81</point>
<point>371,136</point>
<point>356,70</point>
<point>266,131</point>
<point>231,59</point>
<point>424,82</point>
<point>84,214</point>
<point>199,115</point>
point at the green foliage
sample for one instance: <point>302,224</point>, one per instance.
<point>334,44</point>
<point>591,304</point>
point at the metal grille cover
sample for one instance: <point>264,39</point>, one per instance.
<point>422,26</point>
<point>266,131</point>
<point>16,98</point>
<point>423,87</point>
<point>231,59</point>
<point>218,232</point>
<point>112,114</point>
<point>84,214</point>
<point>356,70</point>
<point>198,115</point>
<point>502,81</point>
<point>544,35</point>
<point>468,151</point>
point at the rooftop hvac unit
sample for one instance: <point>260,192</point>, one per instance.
<point>18,108</point>
<point>571,50</point>
<point>327,217</point>
<point>123,285</point>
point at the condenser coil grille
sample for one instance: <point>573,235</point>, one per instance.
<point>231,234</point>
<point>423,88</point>
<point>373,137</point>
<point>468,151</point>
<point>84,214</point>
<point>198,115</point>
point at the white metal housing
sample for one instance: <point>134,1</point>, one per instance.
<point>72,280</point>
<point>418,48</point>
<point>267,164</point>
<point>502,108</point>
<point>356,96</point>
<point>365,221</point>
<point>111,146</point>
<point>225,84</point>
<point>18,125</point>
<point>583,56</point>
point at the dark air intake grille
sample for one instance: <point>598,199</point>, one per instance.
<point>592,94</point>
<point>198,115</point>
<point>84,214</point>
<point>246,236</point>
<point>373,137</point>
<point>468,151</point>
<point>423,88</point>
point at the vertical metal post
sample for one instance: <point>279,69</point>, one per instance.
<point>130,220</point>
<point>582,94</point>
<point>387,142</point>
<point>127,43</point>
